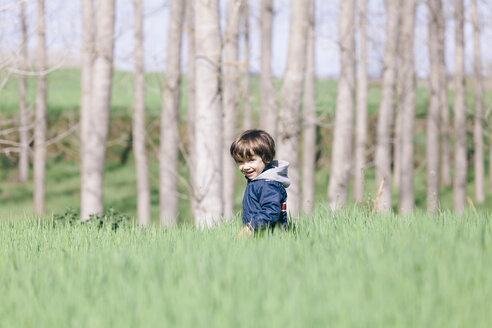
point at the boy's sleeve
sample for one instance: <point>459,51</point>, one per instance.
<point>271,207</point>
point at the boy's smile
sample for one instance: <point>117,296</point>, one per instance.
<point>252,167</point>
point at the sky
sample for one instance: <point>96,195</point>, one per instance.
<point>64,34</point>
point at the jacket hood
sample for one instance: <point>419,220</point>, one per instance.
<point>276,171</point>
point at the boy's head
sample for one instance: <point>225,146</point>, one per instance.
<point>253,150</point>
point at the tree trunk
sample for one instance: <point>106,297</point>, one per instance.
<point>478,123</point>
<point>289,128</point>
<point>139,133</point>
<point>309,118</point>
<point>386,109</point>
<point>23,113</point>
<point>407,196</point>
<point>361,120</point>
<point>40,125</point>
<point>230,99</point>
<point>190,19</point>
<point>169,149</point>
<point>269,119</point>
<point>434,111</point>
<point>95,148</point>
<point>208,144</point>
<point>247,119</point>
<point>443,99</point>
<point>341,157</point>
<point>460,160</point>
<point>87,62</point>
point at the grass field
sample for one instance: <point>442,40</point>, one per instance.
<point>346,269</point>
<point>349,269</point>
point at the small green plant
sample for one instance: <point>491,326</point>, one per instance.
<point>110,218</point>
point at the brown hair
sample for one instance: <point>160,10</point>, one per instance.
<point>253,142</point>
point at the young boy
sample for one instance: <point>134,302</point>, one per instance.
<point>264,202</point>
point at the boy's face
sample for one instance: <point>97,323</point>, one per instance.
<point>252,167</point>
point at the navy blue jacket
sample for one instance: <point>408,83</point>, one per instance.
<point>264,202</point>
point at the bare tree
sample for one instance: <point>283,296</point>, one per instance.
<point>443,99</point>
<point>434,111</point>
<point>267,88</point>
<point>460,161</point>
<point>230,99</point>
<point>87,62</point>
<point>386,109</point>
<point>23,113</point>
<point>190,20</point>
<point>361,118</point>
<point>289,127</point>
<point>309,119</point>
<point>246,92</point>
<point>208,142</point>
<point>95,150</point>
<point>341,157</point>
<point>139,133</point>
<point>169,149</point>
<point>478,124</point>
<point>40,123</point>
<point>407,197</point>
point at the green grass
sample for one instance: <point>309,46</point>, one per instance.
<point>348,269</point>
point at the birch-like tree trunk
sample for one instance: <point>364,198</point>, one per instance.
<point>478,122</point>
<point>98,121</point>
<point>407,196</point>
<point>246,94</point>
<point>309,118</point>
<point>460,160</point>
<point>230,99</point>
<point>386,109</point>
<point>269,117</point>
<point>434,111</point>
<point>289,127</point>
<point>23,113</point>
<point>169,149</point>
<point>40,121</point>
<point>87,62</point>
<point>361,118</point>
<point>190,20</point>
<point>341,158</point>
<point>139,133</point>
<point>208,144</point>
<point>443,99</point>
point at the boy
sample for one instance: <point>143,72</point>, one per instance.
<point>264,202</point>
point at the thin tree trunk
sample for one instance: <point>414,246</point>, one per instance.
<point>407,196</point>
<point>386,109</point>
<point>443,99</point>
<point>23,114</point>
<point>40,125</point>
<point>230,99</point>
<point>247,119</point>
<point>95,149</point>
<point>434,111</point>
<point>341,157</point>
<point>309,119</point>
<point>208,144</point>
<point>398,121</point>
<point>190,19</point>
<point>169,150</point>
<point>139,134</point>
<point>268,92</point>
<point>460,160</point>
<point>478,123</point>
<point>289,128</point>
<point>361,119</point>
<point>88,54</point>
